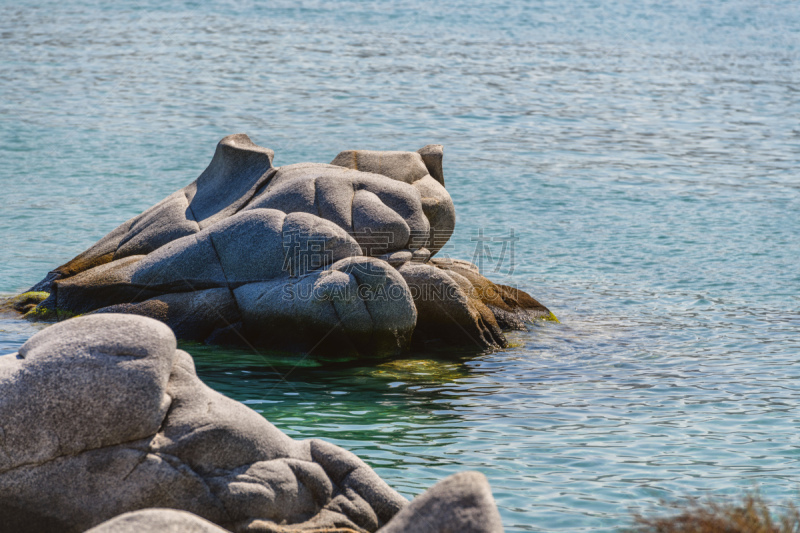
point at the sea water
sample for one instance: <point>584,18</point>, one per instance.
<point>640,159</point>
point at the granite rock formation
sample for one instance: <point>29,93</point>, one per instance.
<point>102,415</point>
<point>334,258</point>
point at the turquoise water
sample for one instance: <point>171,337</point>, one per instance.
<point>646,154</point>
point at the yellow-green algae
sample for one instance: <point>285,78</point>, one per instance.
<point>24,302</point>
<point>41,313</point>
<point>540,315</point>
<point>32,296</point>
<point>46,313</point>
<point>412,370</point>
<point>551,318</point>
<point>28,303</point>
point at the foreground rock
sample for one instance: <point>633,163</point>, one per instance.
<point>157,521</point>
<point>334,258</point>
<point>101,416</point>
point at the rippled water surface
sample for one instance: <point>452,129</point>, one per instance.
<point>646,154</point>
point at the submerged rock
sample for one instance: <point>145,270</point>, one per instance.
<point>332,258</point>
<point>102,415</point>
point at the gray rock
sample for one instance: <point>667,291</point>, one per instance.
<point>216,260</point>
<point>248,269</point>
<point>358,306</point>
<point>370,215</point>
<point>380,214</point>
<point>432,156</point>
<point>101,416</point>
<point>421,255</point>
<point>401,166</point>
<point>511,307</point>
<point>157,521</point>
<point>166,221</point>
<point>461,503</point>
<point>193,316</point>
<point>238,169</point>
<point>398,258</point>
<point>115,367</point>
<point>186,264</point>
<point>448,310</point>
<point>422,170</point>
<point>98,287</point>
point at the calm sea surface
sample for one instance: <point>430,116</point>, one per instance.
<point>646,155</point>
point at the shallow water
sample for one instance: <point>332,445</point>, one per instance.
<point>645,154</point>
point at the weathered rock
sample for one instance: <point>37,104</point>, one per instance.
<point>381,214</point>
<point>511,307</point>
<point>461,503</point>
<point>423,170</point>
<point>447,309</point>
<point>249,253</point>
<point>360,305</point>
<point>102,415</point>
<point>238,168</point>
<point>157,521</point>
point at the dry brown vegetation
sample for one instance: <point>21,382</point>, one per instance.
<point>750,515</point>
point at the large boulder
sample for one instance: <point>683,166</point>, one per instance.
<point>102,415</point>
<point>333,258</point>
